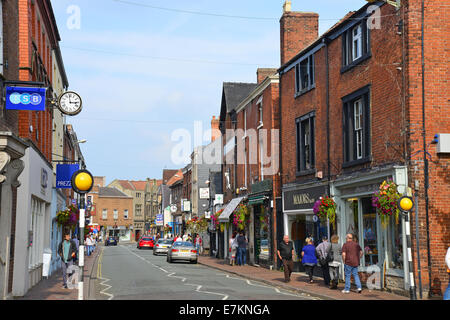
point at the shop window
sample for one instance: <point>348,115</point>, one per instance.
<point>369,243</point>
<point>394,245</point>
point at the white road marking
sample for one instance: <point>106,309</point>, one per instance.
<point>107,288</point>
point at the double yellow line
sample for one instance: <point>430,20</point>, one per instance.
<point>99,265</point>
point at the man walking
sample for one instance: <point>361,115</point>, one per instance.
<point>285,252</point>
<point>242,249</point>
<point>323,253</point>
<point>89,244</point>
<point>67,251</point>
<point>351,254</point>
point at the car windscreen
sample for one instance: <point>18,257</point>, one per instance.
<point>146,239</point>
<point>182,244</point>
<point>165,241</point>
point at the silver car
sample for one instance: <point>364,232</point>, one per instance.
<point>162,246</point>
<point>182,251</point>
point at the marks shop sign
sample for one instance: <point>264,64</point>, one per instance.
<point>301,199</point>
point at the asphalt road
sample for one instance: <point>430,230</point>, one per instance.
<point>127,273</point>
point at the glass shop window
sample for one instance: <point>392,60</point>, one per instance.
<point>369,243</point>
<point>394,244</point>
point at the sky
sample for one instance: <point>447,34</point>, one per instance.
<point>148,70</point>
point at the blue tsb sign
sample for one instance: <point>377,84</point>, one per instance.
<point>25,98</point>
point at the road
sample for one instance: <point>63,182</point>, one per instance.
<point>126,273</point>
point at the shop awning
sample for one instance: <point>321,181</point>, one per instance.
<point>257,200</point>
<point>225,216</point>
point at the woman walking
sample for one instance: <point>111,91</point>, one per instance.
<point>309,259</point>
<point>336,263</point>
<point>233,248</point>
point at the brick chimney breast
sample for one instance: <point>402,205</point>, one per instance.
<point>263,73</point>
<point>215,131</point>
<point>297,31</point>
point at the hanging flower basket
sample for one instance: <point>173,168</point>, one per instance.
<point>325,208</point>
<point>241,217</point>
<point>197,225</point>
<point>385,202</point>
<point>68,218</point>
<point>215,218</point>
<point>167,228</point>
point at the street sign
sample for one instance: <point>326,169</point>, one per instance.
<point>25,98</point>
<point>159,220</point>
<point>204,193</point>
<point>64,174</point>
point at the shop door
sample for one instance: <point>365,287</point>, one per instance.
<point>262,224</point>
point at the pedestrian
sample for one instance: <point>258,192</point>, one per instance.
<point>198,243</point>
<point>323,252</point>
<point>189,238</point>
<point>285,253</point>
<point>309,258</point>
<point>336,262</point>
<point>351,254</point>
<point>178,239</point>
<point>447,262</point>
<point>233,245</point>
<point>77,243</point>
<point>242,249</point>
<point>89,244</point>
<point>184,238</point>
<point>66,251</point>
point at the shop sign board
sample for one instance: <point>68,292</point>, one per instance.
<point>302,199</point>
<point>25,98</point>
<point>64,173</point>
<point>159,220</point>
<point>204,193</point>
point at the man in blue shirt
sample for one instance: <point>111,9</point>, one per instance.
<point>67,251</point>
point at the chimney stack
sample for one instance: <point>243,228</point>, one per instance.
<point>263,73</point>
<point>215,131</point>
<point>297,31</point>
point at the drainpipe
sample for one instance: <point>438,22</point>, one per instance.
<point>426,176</point>
<point>327,68</point>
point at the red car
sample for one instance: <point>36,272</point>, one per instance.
<point>145,242</point>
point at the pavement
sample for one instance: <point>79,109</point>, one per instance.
<point>51,288</point>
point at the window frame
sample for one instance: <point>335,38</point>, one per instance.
<point>300,167</point>
<point>310,73</point>
<point>348,62</point>
<point>349,135</point>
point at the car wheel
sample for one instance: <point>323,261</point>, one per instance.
<point>194,261</point>
<point>169,260</point>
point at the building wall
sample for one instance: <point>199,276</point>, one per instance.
<point>434,240</point>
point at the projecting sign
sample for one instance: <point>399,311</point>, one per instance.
<point>25,98</point>
<point>159,220</point>
<point>64,174</point>
<point>204,193</point>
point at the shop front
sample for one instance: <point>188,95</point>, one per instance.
<point>260,237</point>
<point>299,219</point>
<point>384,245</point>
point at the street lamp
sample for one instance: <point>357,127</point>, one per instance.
<point>82,183</point>
<point>405,204</point>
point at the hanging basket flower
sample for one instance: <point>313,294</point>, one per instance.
<point>68,218</point>
<point>325,208</point>
<point>241,217</point>
<point>167,228</point>
<point>197,225</point>
<point>215,218</point>
<point>385,202</point>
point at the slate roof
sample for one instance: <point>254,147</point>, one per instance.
<point>111,192</point>
<point>232,94</point>
<point>175,178</point>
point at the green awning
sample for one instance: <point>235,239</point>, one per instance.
<point>256,200</point>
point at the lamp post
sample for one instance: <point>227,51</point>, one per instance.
<point>82,182</point>
<point>405,204</point>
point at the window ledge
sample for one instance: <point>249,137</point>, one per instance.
<point>356,62</point>
<point>305,172</point>
<point>300,93</point>
<point>357,162</point>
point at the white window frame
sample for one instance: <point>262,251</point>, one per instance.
<point>115,214</point>
<point>125,214</point>
<point>357,43</point>
<point>358,127</point>
<point>105,214</point>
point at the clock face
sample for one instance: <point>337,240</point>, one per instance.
<point>70,103</point>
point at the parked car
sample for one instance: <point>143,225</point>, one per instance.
<point>162,246</point>
<point>182,251</point>
<point>145,242</point>
<point>111,241</point>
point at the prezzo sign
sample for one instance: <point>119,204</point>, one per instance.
<point>64,173</point>
<point>159,220</point>
<point>25,98</point>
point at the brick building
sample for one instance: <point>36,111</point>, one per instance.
<point>350,119</point>
<point>113,210</point>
